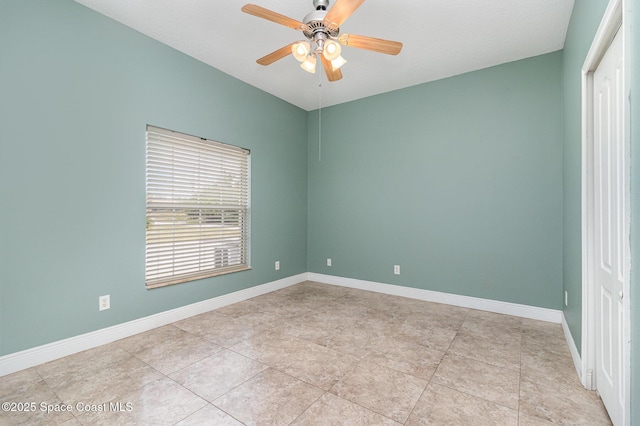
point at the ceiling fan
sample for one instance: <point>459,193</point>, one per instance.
<point>322,30</point>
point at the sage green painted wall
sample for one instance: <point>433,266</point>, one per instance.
<point>76,92</point>
<point>458,181</point>
<point>584,23</point>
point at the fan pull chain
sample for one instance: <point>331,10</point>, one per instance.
<point>319,117</point>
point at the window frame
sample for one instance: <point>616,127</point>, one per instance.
<point>197,225</point>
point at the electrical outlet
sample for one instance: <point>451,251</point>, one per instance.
<point>277,265</point>
<point>328,262</point>
<point>566,298</point>
<point>396,269</point>
<point>104,302</point>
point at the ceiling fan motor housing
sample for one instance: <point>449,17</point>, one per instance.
<point>315,29</point>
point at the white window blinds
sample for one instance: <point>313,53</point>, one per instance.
<point>197,208</point>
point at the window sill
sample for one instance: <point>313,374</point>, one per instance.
<point>199,276</point>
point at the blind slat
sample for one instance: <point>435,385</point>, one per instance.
<point>197,208</point>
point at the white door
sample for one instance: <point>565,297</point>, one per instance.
<point>610,227</point>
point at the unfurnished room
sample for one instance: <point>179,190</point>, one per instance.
<point>319,212</point>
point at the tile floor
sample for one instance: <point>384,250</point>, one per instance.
<point>315,354</point>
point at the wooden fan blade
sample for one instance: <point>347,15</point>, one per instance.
<point>340,11</point>
<point>370,43</point>
<point>328,69</point>
<point>269,15</point>
<point>276,55</point>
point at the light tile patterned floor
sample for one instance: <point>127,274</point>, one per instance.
<point>315,354</point>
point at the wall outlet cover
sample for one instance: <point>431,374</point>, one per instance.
<point>104,302</point>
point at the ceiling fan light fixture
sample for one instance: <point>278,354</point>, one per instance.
<point>338,62</point>
<point>331,50</point>
<point>300,50</point>
<point>309,64</point>
<point>322,30</point>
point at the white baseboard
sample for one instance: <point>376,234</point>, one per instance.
<point>51,351</point>
<point>524,311</point>
<point>575,355</point>
<point>31,357</point>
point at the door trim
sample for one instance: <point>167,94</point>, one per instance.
<point>612,22</point>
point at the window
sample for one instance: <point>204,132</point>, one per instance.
<point>197,208</point>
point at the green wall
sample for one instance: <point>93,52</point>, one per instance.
<point>585,20</point>
<point>76,92</point>
<point>458,181</point>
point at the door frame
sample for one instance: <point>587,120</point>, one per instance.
<point>612,22</point>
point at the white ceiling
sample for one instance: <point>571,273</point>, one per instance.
<point>441,38</point>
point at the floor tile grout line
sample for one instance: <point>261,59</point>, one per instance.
<point>366,408</point>
<point>193,391</point>
<point>261,372</point>
<point>307,409</point>
<point>54,392</point>
<point>473,359</point>
<point>419,398</point>
<point>188,390</point>
<point>215,406</point>
<point>436,370</point>
<point>283,372</point>
<point>236,386</point>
